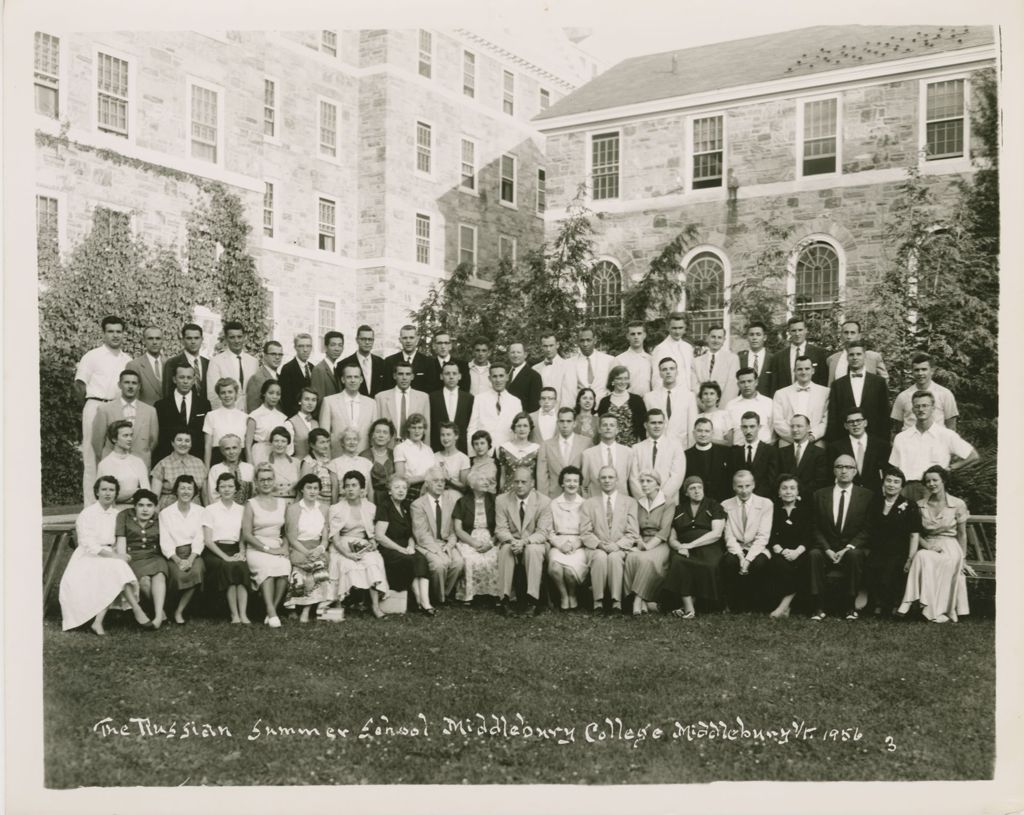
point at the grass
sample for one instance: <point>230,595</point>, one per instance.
<point>928,688</point>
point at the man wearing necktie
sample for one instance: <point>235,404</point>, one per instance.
<point>591,365</point>
<point>842,525</point>
<point>606,453</point>
<point>401,401</point>
<point>717,365</point>
<point>803,458</point>
<point>296,374</point>
<point>494,409</point>
<point>409,340</point>
<point>145,426</point>
<point>609,529</point>
<point>150,366</point>
<point>858,390</point>
<point>758,457</point>
<point>784,361</point>
<point>348,409</point>
<point>659,453</point>
<point>748,525</point>
<point>564,450</point>
<point>803,397</point>
<point>521,530</point>
<point>191,345</point>
<point>273,352</point>
<point>184,408</point>
<point>434,535</point>
<point>232,363</point>
<point>371,365</point>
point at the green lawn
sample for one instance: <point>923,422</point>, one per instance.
<point>930,689</point>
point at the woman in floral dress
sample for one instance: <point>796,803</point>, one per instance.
<point>518,451</point>
<point>474,521</point>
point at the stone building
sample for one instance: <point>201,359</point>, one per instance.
<point>813,129</point>
<point>369,162</point>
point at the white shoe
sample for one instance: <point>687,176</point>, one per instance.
<point>274,622</point>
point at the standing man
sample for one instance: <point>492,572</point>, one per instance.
<point>150,366</point>
<point>183,409</point>
<point>709,461</point>
<point>757,359</point>
<point>804,398</point>
<point>523,382</point>
<point>545,420</point>
<point>660,454</point>
<point>480,367</point>
<point>348,409</point>
<point>450,404</point>
<point>564,450</point>
<point>837,364</point>
<point>273,353</point>
<point>96,382</point>
<point>748,526</point>
<point>607,452</point>
<point>590,365</point>
<point>296,374</point>
<point>434,532</point>
<point>521,530</point>
<point>636,360</point>
<point>191,342</point>
<point>371,365</point>
<point>842,526</point>
<point>145,427</point>
<point>494,409</point>
<point>324,379</point>
<point>556,371</point>
<point>870,452</point>
<point>677,348</point>
<point>785,360</point>
<point>399,403</point>
<point>233,363</point>
<point>858,390</point>
<point>609,528</point>
<point>803,458</point>
<point>717,365</point>
<point>408,338</point>
<point>945,412</point>
<point>442,348</point>
<point>674,400</point>
<point>750,400</point>
<point>753,455</point>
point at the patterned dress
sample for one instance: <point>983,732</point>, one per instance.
<point>510,457</point>
<point>167,471</point>
<point>355,526</point>
<point>481,574</point>
<point>322,470</point>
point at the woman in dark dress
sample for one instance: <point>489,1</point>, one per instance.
<point>792,533</point>
<point>382,464</point>
<point>627,407</point>
<point>137,534</point>
<point>697,547</point>
<point>896,522</point>
<point>392,529</point>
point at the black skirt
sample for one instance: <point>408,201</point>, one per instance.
<point>226,573</point>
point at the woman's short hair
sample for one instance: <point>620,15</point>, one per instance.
<point>229,437</point>
<point>783,478</point>
<point>396,477</point>
<point>690,480</point>
<point>115,427</point>
<point>411,421</point>
<point>354,475</point>
<point>390,425</point>
<point>226,382</point>
<point>519,417</point>
<point>649,474</point>
<point>316,434</point>
<point>892,469</point>
<point>570,470</point>
<point>108,479</point>
<point>184,479</point>
<point>941,472</point>
<point>263,467</point>
<point>615,372</point>
<point>308,478</point>
<point>448,426</point>
<point>475,479</point>
<point>144,495</point>
<point>482,434</point>
<point>710,386</point>
<point>579,397</point>
<point>348,432</point>
<point>280,430</point>
<point>304,391</point>
<point>227,477</point>
<point>267,385</point>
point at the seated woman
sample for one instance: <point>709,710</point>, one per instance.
<point>317,463</point>
<point>261,421</point>
<point>567,559</point>
<point>413,457</point>
<point>482,461</point>
<point>178,462</point>
<point>449,458</point>
<point>518,451</point>
<point>350,459</point>
<point>355,562</point>
<point>230,447</point>
<point>228,419</point>
<point>586,414</point>
<point>647,565</point>
<point>627,407</point>
<point>223,552</point>
<point>305,529</point>
<point>381,458</point>
<point>897,526</point>
<point>697,547</point>
<point>937,567</point>
<point>286,468</point>
<point>304,422</point>
<point>181,541</point>
<point>791,538</point>
<point>266,551</point>
<point>473,519</point>
<point>137,534</point>
<point>404,566</point>
<point>97,577</point>
<point>129,470</point>
<point>709,407</point>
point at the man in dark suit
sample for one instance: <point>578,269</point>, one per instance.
<point>442,348</point>
<point>758,358</point>
<point>760,458</point>
<point>191,341</point>
<point>182,408</point>
<point>326,376</point>
<point>372,366</point>
<point>858,390</point>
<point>150,366</point>
<point>785,360</point>
<point>842,528</point>
<point>523,382</point>
<point>296,374</point>
<point>869,452</point>
<point>422,378</point>
<point>709,461</point>
<point>803,458</point>
<point>450,404</point>
<point>270,362</point>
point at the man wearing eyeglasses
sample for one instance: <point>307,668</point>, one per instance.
<point>870,452</point>
<point>273,353</point>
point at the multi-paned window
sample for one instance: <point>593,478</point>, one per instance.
<point>705,293</point>
<point>605,165</point>
<point>422,238</point>
<point>268,209</point>
<point>604,294</point>
<point>423,148</point>
<point>542,193</point>
<point>329,42</point>
<point>108,222</point>
<point>112,94</point>
<point>816,286</point>
<point>820,128</point>
<point>545,98</point>
<point>506,248</point>
<point>944,119</point>
<point>47,224</point>
<point>204,124</point>
<point>508,180</point>
<point>708,151</point>
<point>469,74</point>
<point>326,316</point>
<point>328,129</point>
<point>508,92</point>
<point>426,53</point>
<point>468,165</point>
<point>47,74</point>
<point>327,210</point>
<point>269,108</point>
<point>467,245</point>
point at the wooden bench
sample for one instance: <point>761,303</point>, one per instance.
<point>981,554</point>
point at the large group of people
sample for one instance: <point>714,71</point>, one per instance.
<point>686,479</point>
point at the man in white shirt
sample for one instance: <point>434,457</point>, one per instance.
<point>750,400</point>
<point>659,453</point>
<point>273,353</point>
<point>803,398</point>
<point>838,366</point>
<point>607,452</point>
<point>748,525</point>
<point>480,367</point>
<point>636,360</point>
<point>564,450</point>
<point>434,532</point>
<point>675,401</point>
<point>349,409</point>
<point>717,365</point>
<point>150,366</point>
<point>945,412</point>
<point>494,409</point>
<point>234,363</point>
<point>609,529</point>
<point>676,347</point>
<point>545,419</point>
<point>591,366</point>
<point>757,358</point>
<point>556,371</point>
<point>402,401</point>
<point>96,379</point>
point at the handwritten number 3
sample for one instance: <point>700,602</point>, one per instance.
<point>890,744</point>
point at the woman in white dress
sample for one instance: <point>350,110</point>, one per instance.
<point>350,459</point>
<point>129,470</point>
<point>224,552</point>
<point>222,421</point>
<point>708,402</point>
<point>181,541</point>
<point>567,560</point>
<point>474,520</point>
<point>97,578</point>
<point>262,421</point>
<point>413,457</point>
<point>266,551</point>
<point>305,529</point>
<point>355,562</point>
<point>303,422</point>
<point>452,460</point>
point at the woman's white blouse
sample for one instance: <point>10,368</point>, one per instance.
<point>224,522</point>
<point>94,527</point>
<point>181,530</point>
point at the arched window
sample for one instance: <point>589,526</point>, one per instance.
<point>705,293</point>
<point>604,297</point>
<point>817,279</point>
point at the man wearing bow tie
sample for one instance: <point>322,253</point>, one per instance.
<point>556,371</point>
<point>857,390</point>
<point>804,398</point>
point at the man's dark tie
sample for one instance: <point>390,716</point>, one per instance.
<point>857,376</point>
<point>437,515</point>
<point>654,455</point>
<point>711,365</point>
<point>199,371</point>
<point>668,404</point>
<point>750,458</point>
<point>753,364</point>
<point>241,371</point>
<point>182,413</point>
<point>522,514</point>
<point>305,374</point>
<point>497,403</point>
<point>839,515</point>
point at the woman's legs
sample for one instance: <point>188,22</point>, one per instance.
<point>571,584</point>
<point>421,591</point>
<point>133,600</point>
<point>183,601</point>
<point>375,603</point>
<point>782,609</point>
<point>97,623</point>
<point>267,590</point>
<point>242,600</point>
<point>159,589</point>
<point>233,604</point>
<point>558,576</point>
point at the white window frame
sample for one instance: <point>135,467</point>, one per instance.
<point>275,209</point>
<point>717,251</point>
<point>799,134</point>
<point>515,247</point>
<point>276,108</point>
<point>424,58</point>
<point>590,163</point>
<point>62,80</point>
<point>472,86</point>
<point>212,323</point>
<point>688,154</point>
<point>537,208</point>
<point>424,216</point>
<point>430,148</point>
<point>476,168</point>
<point>320,101</point>
<point>794,254</point>
<point>316,215</point>
<point>275,310</point>
<point>514,203</point>
<point>62,214</point>
<point>318,329</point>
<point>97,49</point>
<point>505,73</point>
<point>476,256</point>
<point>193,81</point>
<point>955,164</point>
<point>585,294</point>
<point>322,47</point>
<point>543,93</point>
